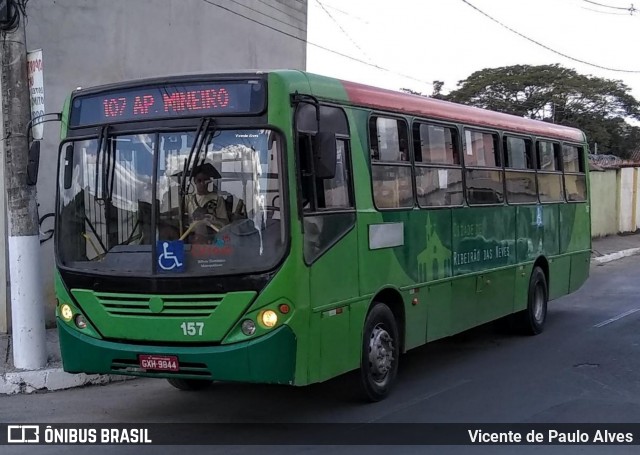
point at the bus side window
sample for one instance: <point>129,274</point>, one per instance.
<point>306,176</point>
<point>390,163</point>
<point>437,164</point>
<point>550,185</point>
<point>327,203</point>
<point>335,191</point>
<point>324,193</point>
<point>575,183</point>
<point>520,174</point>
<point>483,168</point>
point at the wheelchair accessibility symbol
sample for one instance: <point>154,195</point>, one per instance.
<point>170,255</point>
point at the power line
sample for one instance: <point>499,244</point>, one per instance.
<point>270,17</point>
<point>630,9</point>
<point>604,12</point>
<point>280,10</point>
<point>373,65</point>
<point>343,30</point>
<point>547,47</point>
<point>347,14</point>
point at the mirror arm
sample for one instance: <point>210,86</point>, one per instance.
<point>31,124</point>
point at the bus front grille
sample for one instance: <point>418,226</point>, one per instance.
<point>164,306</point>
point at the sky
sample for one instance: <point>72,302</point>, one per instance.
<point>411,43</point>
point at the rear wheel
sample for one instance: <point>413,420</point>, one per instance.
<point>531,320</point>
<point>380,352</point>
<point>190,384</point>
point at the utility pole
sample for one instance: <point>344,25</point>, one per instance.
<point>27,306</point>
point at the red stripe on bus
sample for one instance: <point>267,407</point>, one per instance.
<point>443,110</point>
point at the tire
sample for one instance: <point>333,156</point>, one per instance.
<point>380,352</point>
<point>190,385</point>
<point>531,321</point>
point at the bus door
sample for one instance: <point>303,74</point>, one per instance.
<point>330,238</point>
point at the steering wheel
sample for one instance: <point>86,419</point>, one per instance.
<point>201,222</point>
<point>240,227</point>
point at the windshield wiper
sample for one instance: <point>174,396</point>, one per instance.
<point>199,140</point>
<point>101,174</point>
<point>205,130</point>
<point>105,167</point>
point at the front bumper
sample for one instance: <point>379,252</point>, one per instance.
<point>267,359</point>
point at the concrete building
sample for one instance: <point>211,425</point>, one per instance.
<point>93,42</point>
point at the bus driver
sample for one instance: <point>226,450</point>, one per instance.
<point>205,205</point>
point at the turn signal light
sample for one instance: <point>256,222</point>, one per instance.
<point>80,322</point>
<point>284,308</point>
<point>248,327</point>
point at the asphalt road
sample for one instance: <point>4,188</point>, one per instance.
<point>584,368</point>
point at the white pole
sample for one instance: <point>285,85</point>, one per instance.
<point>27,309</point>
<point>27,306</point>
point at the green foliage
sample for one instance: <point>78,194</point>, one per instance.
<point>560,95</point>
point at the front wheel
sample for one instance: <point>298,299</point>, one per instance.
<point>531,320</point>
<point>190,384</point>
<point>380,352</point>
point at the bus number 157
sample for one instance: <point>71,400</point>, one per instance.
<point>192,328</point>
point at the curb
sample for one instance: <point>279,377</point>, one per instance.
<point>50,379</point>
<point>615,256</point>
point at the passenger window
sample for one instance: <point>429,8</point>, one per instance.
<point>437,162</point>
<point>436,144</point>
<point>484,183</point>
<point>390,163</point>
<point>548,156</point>
<point>518,153</point>
<point>550,184</point>
<point>482,149</point>
<point>575,182</point>
<point>520,175</point>
<point>571,158</point>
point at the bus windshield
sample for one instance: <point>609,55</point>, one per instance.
<point>215,211</point>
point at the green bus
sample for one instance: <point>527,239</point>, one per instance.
<point>285,227</point>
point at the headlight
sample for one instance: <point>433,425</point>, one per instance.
<point>66,312</point>
<point>269,318</point>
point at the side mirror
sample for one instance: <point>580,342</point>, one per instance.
<point>325,155</point>
<point>68,166</point>
<point>33,163</point>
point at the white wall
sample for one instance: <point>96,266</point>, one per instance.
<point>604,202</point>
<point>626,223</point>
<point>636,183</point>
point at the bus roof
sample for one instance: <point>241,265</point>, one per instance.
<point>378,98</point>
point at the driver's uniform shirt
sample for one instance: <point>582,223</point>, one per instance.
<point>208,204</point>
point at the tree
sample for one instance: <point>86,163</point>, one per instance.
<point>437,91</point>
<point>560,95</point>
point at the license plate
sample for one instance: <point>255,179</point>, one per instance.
<point>159,362</point>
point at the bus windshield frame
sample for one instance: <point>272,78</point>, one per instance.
<point>245,232</point>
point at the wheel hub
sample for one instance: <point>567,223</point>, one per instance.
<point>380,353</point>
<point>538,304</point>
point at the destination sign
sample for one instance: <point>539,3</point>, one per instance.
<point>168,101</point>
